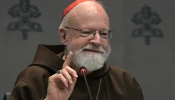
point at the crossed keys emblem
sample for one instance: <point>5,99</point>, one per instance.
<point>24,13</point>
<point>146,21</point>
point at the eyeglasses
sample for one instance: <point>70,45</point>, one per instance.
<point>105,34</point>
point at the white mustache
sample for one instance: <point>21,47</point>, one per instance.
<point>91,47</point>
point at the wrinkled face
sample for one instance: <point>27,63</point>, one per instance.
<point>88,52</point>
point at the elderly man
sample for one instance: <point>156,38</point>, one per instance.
<point>54,73</point>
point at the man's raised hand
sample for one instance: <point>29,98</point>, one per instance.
<point>61,84</point>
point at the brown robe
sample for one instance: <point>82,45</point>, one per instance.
<point>31,84</point>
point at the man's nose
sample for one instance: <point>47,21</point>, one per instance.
<point>96,40</point>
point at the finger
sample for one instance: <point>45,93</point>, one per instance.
<point>61,81</point>
<point>72,72</point>
<point>65,73</point>
<point>68,60</point>
<point>71,86</point>
<point>74,80</point>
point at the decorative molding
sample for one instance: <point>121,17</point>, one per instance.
<point>24,13</point>
<point>146,20</point>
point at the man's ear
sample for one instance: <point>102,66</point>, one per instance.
<point>63,36</point>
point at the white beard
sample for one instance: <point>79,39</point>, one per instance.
<point>90,60</point>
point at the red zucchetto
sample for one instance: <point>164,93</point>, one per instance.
<point>72,5</point>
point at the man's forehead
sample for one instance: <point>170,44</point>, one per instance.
<point>85,15</point>
<point>72,5</point>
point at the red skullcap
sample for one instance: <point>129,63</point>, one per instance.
<point>72,5</point>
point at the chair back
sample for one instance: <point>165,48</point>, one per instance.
<point>6,96</point>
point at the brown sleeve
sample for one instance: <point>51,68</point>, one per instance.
<point>31,84</point>
<point>133,88</point>
<point>125,86</point>
<point>138,95</point>
<point>22,91</point>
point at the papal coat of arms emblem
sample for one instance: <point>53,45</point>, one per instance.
<point>146,21</point>
<point>24,13</point>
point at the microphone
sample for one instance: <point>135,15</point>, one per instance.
<point>82,71</point>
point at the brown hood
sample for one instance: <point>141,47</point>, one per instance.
<point>46,56</point>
